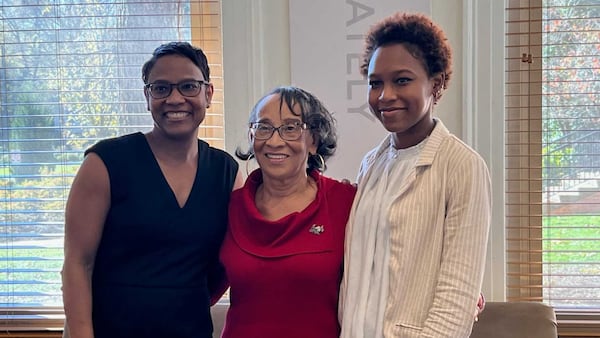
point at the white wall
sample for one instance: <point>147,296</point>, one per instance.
<point>326,42</point>
<point>277,42</point>
<point>256,58</point>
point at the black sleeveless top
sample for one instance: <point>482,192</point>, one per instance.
<point>155,259</point>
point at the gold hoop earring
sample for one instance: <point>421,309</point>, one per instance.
<point>321,167</point>
<point>248,160</point>
<point>322,161</point>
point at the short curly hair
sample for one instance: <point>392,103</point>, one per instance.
<point>419,34</point>
<point>319,120</point>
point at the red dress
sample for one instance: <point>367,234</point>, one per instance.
<point>284,275</point>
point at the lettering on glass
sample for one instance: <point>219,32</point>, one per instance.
<point>355,82</point>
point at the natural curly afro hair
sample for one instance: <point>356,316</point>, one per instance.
<point>422,37</point>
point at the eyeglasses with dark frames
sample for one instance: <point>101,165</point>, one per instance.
<point>161,90</point>
<point>288,132</point>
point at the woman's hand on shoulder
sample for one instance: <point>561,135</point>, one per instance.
<point>347,181</point>
<point>480,306</point>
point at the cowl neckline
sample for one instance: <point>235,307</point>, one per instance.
<point>295,233</point>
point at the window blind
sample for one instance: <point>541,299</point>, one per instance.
<point>553,158</point>
<point>70,75</point>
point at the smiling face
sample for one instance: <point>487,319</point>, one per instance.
<point>280,159</point>
<point>177,116</point>
<point>400,94</point>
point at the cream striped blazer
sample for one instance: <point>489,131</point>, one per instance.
<point>439,231</point>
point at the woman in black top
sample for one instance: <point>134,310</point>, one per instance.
<point>146,215</point>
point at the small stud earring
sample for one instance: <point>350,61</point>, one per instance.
<point>437,95</point>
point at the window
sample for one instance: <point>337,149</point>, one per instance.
<point>553,158</point>
<point>70,74</point>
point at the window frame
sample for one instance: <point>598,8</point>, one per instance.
<point>483,48</point>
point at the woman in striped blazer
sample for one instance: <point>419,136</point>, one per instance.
<point>417,234</point>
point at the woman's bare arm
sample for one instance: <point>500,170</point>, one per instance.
<point>87,206</point>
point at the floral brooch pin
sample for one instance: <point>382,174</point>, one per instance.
<point>316,229</point>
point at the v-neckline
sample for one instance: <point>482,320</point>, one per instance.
<point>164,178</point>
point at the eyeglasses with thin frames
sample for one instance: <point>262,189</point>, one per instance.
<point>288,132</point>
<point>161,90</point>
